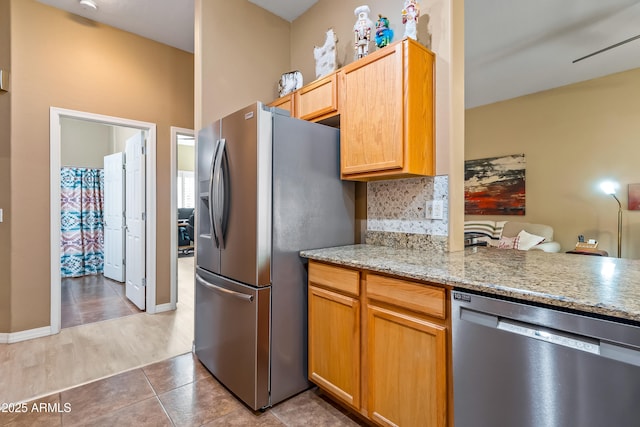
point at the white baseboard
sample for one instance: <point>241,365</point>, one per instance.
<point>14,337</point>
<point>165,307</point>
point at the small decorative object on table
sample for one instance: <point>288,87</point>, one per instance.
<point>289,82</point>
<point>362,31</point>
<point>325,55</point>
<point>410,15</point>
<point>384,34</point>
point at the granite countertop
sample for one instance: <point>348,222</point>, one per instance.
<point>601,285</point>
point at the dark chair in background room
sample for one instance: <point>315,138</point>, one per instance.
<point>185,238</point>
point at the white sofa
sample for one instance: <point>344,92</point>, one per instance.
<point>496,230</point>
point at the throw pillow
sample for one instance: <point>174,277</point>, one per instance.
<point>488,228</point>
<point>526,240</point>
<point>507,243</point>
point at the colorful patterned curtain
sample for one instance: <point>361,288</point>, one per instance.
<point>82,229</point>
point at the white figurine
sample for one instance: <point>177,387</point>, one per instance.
<point>325,55</point>
<point>289,82</point>
<point>362,31</point>
<point>410,15</point>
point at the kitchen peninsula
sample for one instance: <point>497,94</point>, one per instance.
<point>380,318</point>
<point>598,285</point>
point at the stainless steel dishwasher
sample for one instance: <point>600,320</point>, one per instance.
<point>519,365</point>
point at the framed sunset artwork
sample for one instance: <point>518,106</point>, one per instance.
<point>495,186</point>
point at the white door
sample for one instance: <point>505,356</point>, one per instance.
<point>114,217</point>
<point>135,220</point>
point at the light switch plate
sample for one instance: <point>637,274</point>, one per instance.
<point>0,214</point>
<point>434,209</point>
<point>437,211</point>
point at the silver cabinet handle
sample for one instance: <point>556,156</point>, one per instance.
<point>229,292</point>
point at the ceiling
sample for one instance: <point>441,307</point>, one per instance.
<point>512,48</point>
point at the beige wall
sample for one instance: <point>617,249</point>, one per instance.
<point>240,60</point>
<point>572,137</point>
<point>84,143</point>
<point>5,172</point>
<point>65,61</point>
<point>119,136</point>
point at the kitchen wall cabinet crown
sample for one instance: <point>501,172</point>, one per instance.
<point>385,106</point>
<point>389,361</point>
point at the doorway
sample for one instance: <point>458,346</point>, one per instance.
<point>148,226</point>
<point>183,188</point>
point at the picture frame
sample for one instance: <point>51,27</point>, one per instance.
<point>634,197</point>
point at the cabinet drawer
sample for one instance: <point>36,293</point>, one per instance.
<point>285,103</point>
<point>337,278</point>
<point>318,100</point>
<point>425,299</point>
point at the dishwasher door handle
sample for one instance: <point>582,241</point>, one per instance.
<point>620,353</point>
<point>529,330</point>
<point>565,339</point>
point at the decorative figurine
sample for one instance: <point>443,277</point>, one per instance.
<point>325,55</point>
<point>289,82</point>
<point>384,34</point>
<point>410,15</point>
<point>362,31</point>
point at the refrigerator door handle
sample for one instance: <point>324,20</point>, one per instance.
<point>211,199</point>
<point>248,298</point>
<point>220,194</point>
<point>226,182</point>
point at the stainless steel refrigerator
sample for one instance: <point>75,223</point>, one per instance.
<point>268,187</point>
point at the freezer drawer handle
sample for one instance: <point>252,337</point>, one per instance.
<point>223,290</point>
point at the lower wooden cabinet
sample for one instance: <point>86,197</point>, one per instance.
<point>388,362</point>
<point>335,322</point>
<point>407,378</point>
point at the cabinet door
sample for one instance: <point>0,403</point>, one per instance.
<point>285,103</point>
<point>371,105</point>
<point>318,100</point>
<point>407,372</point>
<point>334,344</point>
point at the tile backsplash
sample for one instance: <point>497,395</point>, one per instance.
<point>398,205</point>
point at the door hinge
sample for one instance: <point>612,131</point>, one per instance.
<point>124,261</point>
<point>144,281</point>
<point>144,216</point>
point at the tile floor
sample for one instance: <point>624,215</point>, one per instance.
<point>175,392</point>
<point>90,299</point>
<point>81,354</point>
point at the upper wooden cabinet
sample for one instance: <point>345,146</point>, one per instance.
<point>286,103</point>
<point>318,100</point>
<point>387,114</point>
<point>384,106</point>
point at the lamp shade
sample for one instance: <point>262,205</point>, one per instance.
<point>609,187</point>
